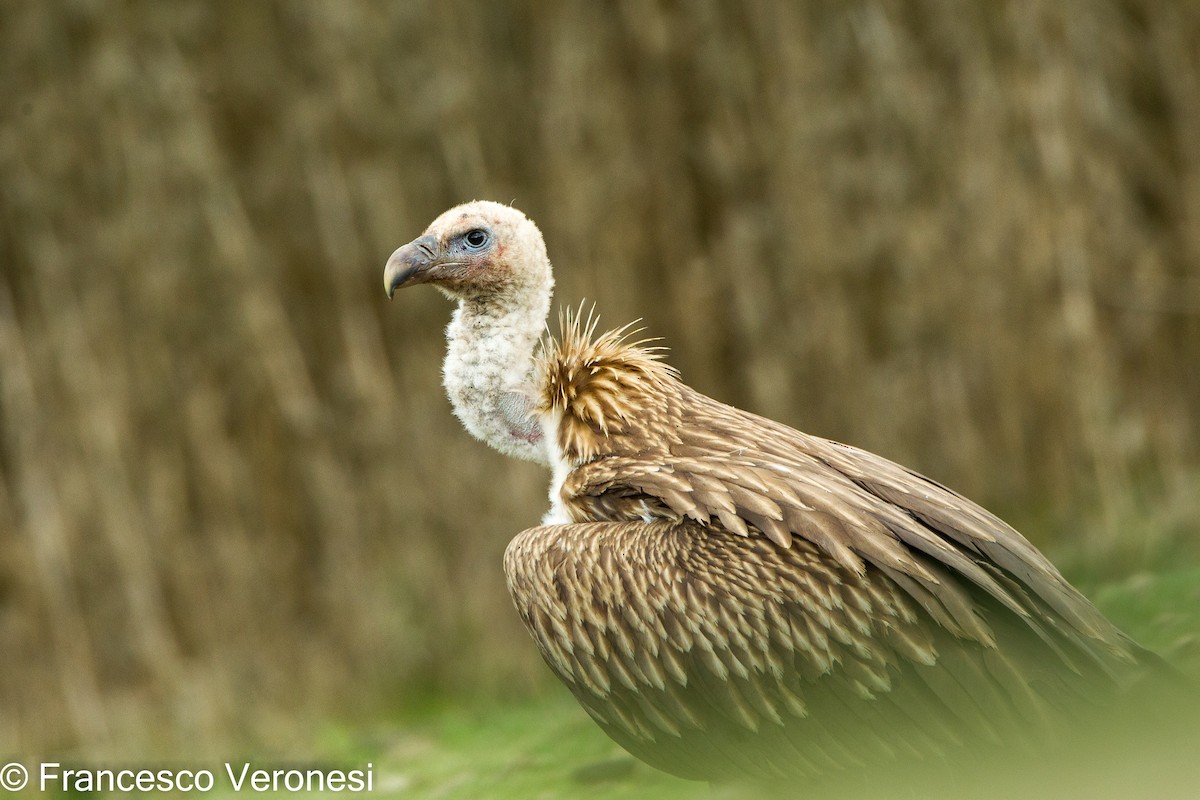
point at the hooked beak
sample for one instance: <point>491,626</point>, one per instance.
<point>410,265</point>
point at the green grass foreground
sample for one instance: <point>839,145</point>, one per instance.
<point>550,749</point>
<point>543,749</point>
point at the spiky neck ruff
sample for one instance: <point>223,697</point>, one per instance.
<point>592,387</point>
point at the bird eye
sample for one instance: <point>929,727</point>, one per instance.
<point>476,239</point>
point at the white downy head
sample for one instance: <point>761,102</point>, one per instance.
<point>492,260</point>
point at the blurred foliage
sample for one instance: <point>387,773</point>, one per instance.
<point>537,749</point>
<point>232,495</point>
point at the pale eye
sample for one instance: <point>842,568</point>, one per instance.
<point>476,239</point>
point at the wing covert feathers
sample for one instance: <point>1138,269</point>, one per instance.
<point>737,598</point>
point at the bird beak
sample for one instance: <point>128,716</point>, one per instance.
<point>410,265</point>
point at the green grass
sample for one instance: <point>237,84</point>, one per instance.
<point>549,748</point>
<point>1161,611</point>
<point>543,749</point>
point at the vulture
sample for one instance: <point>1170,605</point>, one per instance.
<point>727,597</point>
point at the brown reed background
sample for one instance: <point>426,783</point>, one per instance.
<point>233,500</point>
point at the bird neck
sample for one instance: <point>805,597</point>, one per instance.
<point>489,370</point>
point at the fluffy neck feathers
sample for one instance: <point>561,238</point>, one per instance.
<point>489,369</point>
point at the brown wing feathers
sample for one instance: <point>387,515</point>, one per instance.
<point>690,649</point>
<point>737,597</point>
<point>663,638</point>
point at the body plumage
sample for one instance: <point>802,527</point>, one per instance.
<point>731,598</point>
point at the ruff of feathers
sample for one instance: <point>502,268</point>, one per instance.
<point>595,384</point>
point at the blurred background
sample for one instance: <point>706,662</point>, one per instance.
<point>233,499</point>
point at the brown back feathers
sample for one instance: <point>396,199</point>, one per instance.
<point>737,598</point>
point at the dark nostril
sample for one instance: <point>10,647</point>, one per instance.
<point>427,245</point>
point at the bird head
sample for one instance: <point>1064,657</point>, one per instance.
<point>474,251</point>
